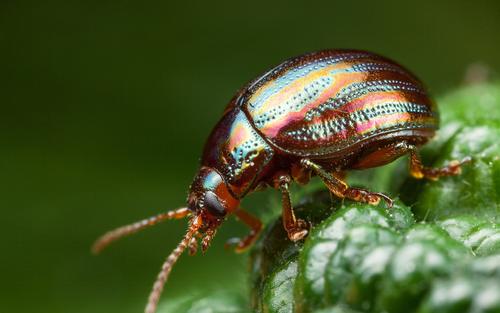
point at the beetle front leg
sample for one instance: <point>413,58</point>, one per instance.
<point>297,229</point>
<point>418,171</point>
<point>241,244</point>
<point>342,190</point>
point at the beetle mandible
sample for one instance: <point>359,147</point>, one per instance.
<point>321,113</point>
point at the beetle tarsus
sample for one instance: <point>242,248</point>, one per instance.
<point>419,171</point>
<point>388,200</point>
<point>363,195</point>
<point>242,244</point>
<point>298,232</point>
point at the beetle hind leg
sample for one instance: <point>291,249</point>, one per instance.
<point>419,171</point>
<point>342,190</point>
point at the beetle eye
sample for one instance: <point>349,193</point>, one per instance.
<point>213,205</point>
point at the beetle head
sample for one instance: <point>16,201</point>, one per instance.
<point>209,198</point>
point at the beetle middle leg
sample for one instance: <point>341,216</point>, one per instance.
<point>342,190</point>
<point>241,244</point>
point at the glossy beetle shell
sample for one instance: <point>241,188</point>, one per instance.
<point>331,105</point>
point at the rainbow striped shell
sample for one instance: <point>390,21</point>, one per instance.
<point>321,103</point>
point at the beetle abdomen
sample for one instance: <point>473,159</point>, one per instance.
<point>321,103</point>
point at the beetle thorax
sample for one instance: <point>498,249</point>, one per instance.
<point>237,151</point>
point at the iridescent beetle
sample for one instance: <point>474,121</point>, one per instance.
<point>320,114</point>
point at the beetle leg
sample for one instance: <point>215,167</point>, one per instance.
<point>342,190</point>
<point>300,174</point>
<point>296,228</point>
<point>417,170</point>
<point>241,244</point>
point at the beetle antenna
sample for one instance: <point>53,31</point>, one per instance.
<point>162,277</point>
<point>111,236</point>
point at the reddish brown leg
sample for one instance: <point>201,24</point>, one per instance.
<point>300,174</point>
<point>241,244</point>
<point>297,229</point>
<point>419,171</point>
<point>342,190</point>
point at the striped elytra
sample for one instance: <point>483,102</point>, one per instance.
<point>322,114</point>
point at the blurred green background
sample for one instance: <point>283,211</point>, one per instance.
<point>105,106</point>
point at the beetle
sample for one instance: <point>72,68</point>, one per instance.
<point>319,114</point>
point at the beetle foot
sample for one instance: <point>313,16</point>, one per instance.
<point>362,195</point>
<point>455,166</point>
<point>232,243</point>
<point>452,169</point>
<point>299,231</point>
<point>240,244</point>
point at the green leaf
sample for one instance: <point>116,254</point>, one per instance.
<point>372,259</point>
<point>278,289</point>
<point>341,282</point>
<point>324,241</point>
<point>426,253</point>
<point>482,237</point>
<point>474,288</point>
